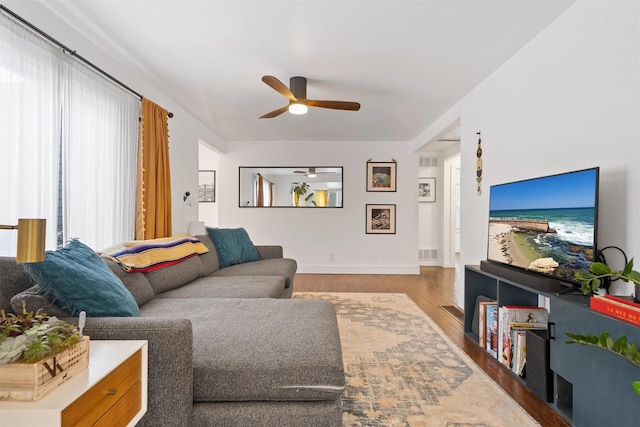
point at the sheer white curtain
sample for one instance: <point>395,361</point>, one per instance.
<point>100,146</point>
<point>29,131</point>
<point>50,102</point>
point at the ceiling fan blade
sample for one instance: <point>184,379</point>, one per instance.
<point>275,113</point>
<point>279,87</point>
<point>335,105</point>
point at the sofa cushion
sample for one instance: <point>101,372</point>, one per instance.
<point>269,251</point>
<point>230,287</point>
<point>136,283</point>
<point>260,349</point>
<point>32,300</point>
<point>267,267</point>
<point>175,276</point>
<point>233,246</point>
<point>210,261</point>
<point>76,279</point>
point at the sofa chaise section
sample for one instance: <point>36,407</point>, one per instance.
<point>268,354</point>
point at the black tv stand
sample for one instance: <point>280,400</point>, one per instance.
<point>571,374</point>
<point>537,282</point>
<point>570,290</point>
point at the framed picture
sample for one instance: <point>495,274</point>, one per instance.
<point>381,219</point>
<point>207,186</point>
<point>381,176</point>
<point>427,190</point>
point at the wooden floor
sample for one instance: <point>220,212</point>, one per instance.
<point>432,290</point>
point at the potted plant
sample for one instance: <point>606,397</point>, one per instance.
<point>308,200</point>
<point>37,353</point>
<point>299,190</point>
<point>620,347</point>
<point>591,280</point>
<point>31,337</point>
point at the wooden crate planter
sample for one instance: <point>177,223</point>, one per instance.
<point>30,382</point>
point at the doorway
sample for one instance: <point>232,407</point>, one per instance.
<point>443,220</point>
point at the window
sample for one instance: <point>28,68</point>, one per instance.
<point>64,130</point>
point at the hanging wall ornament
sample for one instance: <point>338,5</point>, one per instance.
<point>479,164</point>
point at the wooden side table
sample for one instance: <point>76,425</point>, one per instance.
<point>111,392</point>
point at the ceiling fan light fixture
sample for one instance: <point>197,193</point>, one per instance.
<point>298,108</point>
<point>297,96</point>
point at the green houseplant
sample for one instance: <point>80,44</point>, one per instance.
<point>31,337</point>
<point>620,347</point>
<point>299,190</point>
<point>591,280</point>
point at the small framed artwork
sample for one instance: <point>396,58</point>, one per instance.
<point>381,219</point>
<point>381,176</point>
<point>207,186</point>
<point>427,190</point>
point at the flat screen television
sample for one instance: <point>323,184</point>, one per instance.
<point>546,225</point>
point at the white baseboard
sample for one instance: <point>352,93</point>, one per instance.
<point>434,263</point>
<point>359,269</point>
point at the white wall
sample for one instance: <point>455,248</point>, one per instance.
<point>208,159</point>
<point>568,100</point>
<point>314,236</point>
<point>451,227</point>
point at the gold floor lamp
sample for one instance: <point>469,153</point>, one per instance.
<point>31,239</point>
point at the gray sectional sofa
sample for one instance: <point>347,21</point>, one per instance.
<point>227,346</point>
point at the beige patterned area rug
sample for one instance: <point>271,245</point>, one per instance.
<point>402,370</point>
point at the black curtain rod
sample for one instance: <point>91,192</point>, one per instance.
<point>69,51</point>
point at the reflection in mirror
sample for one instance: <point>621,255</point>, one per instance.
<point>308,187</point>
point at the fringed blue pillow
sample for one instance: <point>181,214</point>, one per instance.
<point>76,279</point>
<point>233,246</point>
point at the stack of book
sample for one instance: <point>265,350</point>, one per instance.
<point>618,307</point>
<point>488,327</point>
<point>502,331</point>
<point>514,323</point>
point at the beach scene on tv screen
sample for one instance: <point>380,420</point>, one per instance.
<point>546,225</point>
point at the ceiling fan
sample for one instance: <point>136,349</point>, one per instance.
<point>297,96</point>
<point>312,172</point>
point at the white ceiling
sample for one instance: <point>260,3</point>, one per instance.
<point>405,62</point>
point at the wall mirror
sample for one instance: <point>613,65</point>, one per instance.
<point>297,187</point>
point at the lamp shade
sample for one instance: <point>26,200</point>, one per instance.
<point>31,240</point>
<point>196,228</point>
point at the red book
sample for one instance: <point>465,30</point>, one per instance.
<point>620,310</point>
<point>623,300</point>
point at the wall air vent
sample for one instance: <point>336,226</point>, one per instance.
<point>428,162</point>
<point>427,254</point>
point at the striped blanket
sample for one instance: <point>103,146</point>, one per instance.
<point>148,255</point>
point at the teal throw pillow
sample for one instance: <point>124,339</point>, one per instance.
<point>75,278</point>
<point>233,246</point>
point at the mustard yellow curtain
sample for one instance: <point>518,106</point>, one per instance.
<point>270,193</point>
<point>260,201</point>
<point>153,192</point>
<point>322,198</point>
